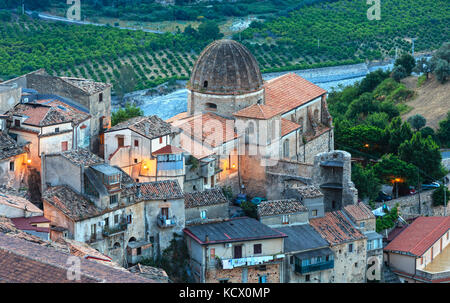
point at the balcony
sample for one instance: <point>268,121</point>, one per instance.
<point>164,222</point>
<point>109,231</point>
<point>304,269</point>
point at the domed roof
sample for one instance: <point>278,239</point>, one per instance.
<point>226,67</point>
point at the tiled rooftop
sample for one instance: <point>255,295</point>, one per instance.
<point>70,203</point>
<point>160,190</point>
<point>30,223</point>
<point>89,86</point>
<point>258,111</point>
<point>150,127</point>
<point>82,157</point>
<point>204,198</point>
<point>278,207</point>
<point>335,228</point>
<point>359,212</point>
<point>151,272</point>
<point>168,149</point>
<point>25,262</point>
<point>9,147</point>
<point>18,202</point>
<point>290,91</point>
<point>420,235</point>
<point>309,191</point>
<point>288,127</point>
<point>70,112</point>
<point>40,115</point>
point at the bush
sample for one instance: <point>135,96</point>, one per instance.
<point>438,196</point>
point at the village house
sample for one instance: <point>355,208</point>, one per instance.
<point>421,252</point>
<point>145,148</point>
<point>277,213</point>
<point>239,250</point>
<point>348,244</point>
<point>91,201</point>
<point>87,95</point>
<point>364,220</point>
<point>206,206</point>
<point>13,162</point>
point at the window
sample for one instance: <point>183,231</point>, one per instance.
<point>64,146</point>
<point>314,212</point>
<point>11,166</point>
<point>135,160</point>
<point>211,106</point>
<point>139,251</point>
<point>205,84</point>
<point>129,218</point>
<point>120,141</point>
<point>223,281</point>
<point>257,249</point>
<point>369,245</point>
<point>307,278</point>
<point>362,224</point>
<point>136,143</point>
<point>327,258</point>
<point>113,200</point>
<point>356,264</point>
<point>17,123</point>
<point>237,252</point>
<point>333,204</point>
<point>262,279</point>
<point>93,229</point>
<point>106,222</point>
<point>203,214</point>
<point>165,212</point>
<point>205,180</point>
<point>57,130</point>
<point>100,97</point>
<point>212,253</point>
<point>350,248</point>
<point>116,219</point>
<point>160,140</point>
<point>285,219</point>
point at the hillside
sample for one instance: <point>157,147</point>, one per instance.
<point>432,100</point>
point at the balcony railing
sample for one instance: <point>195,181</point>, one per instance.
<point>109,231</point>
<point>303,269</point>
<point>164,222</point>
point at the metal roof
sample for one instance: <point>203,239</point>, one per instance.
<point>106,169</point>
<point>371,235</point>
<point>234,230</point>
<point>302,237</point>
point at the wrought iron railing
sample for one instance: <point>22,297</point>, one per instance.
<point>164,222</point>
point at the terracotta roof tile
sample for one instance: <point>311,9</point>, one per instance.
<point>335,228</point>
<point>168,149</point>
<point>27,223</point>
<point>278,207</point>
<point>288,126</point>
<point>420,235</point>
<point>160,190</point>
<point>290,91</point>
<point>40,115</point>
<point>70,112</point>
<point>204,198</point>
<point>259,111</point>
<point>81,157</point>
<point>359,212</point>
<point>309,191</point>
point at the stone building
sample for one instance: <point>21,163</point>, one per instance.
<point>332,173</point>
<point>206,206</point>
<point>9,96</point>
<point>421,252</point>
<point>364,220</point>
<point>95,97</point>
<point>241,121</point>
<point>240,250</point>
<point>13,162</point>
<point>278,213</point>
<point>348,244</point>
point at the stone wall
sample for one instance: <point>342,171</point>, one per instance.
<point>320,144</point>
<point>350,267</point>
<point>252,273</point>
<point>9,97</point>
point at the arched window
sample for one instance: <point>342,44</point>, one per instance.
<point>211,106</point>
<point>286,148</point>
<point>116,245</point>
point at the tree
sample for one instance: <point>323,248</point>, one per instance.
<point>423,153</point>
<point>417,121</point>
<point>407,62</point>
<point>126,113</point>
<point>365,181</point>
<point>398,73</point>
<point>126,82</point>
<point>423,66</point>
<point>442,70</point>
<point>443,132</point>
<point>396,133</point>
<point>392,167</point>
<point>380,120</point>
<point>438,196</point>
<point>209,30</point>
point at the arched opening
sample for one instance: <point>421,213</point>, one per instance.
<point>211,106</point>
<point>116,245</point>
<point>132,239</point>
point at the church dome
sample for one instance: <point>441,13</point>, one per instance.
<point>226,67</point>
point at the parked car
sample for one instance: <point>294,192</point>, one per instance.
<point>258,200</point>
<point>431,185</point>
<point>240,198</point>
<point>382,197</point>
